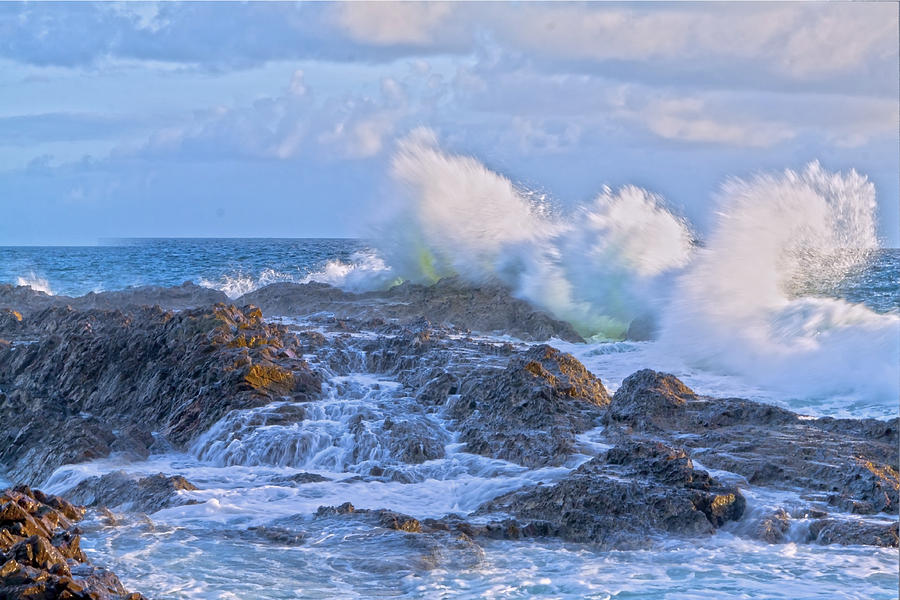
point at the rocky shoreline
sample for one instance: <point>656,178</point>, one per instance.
<point>40,551</point>
<point>140,372</point>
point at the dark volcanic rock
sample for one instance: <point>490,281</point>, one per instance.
<point>622,499</point>
<point>40,553</point>
<point>851,463</point>
<point>188,295</point>
<point>530,412</point>
<point>642,329</point>
<point>847,532</point>
<point>485,308</point>
<point>98,382</point>
<point>773,528</point>
<point>438,545</point>
<point>648,401</point>
<point>120,490</point>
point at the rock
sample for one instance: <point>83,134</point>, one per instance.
<point>530,412</point>
<point>126,492</point>
<point>98,382</point>
<point>299,479</point>
<point>40,555</point>
<point>27,301</point>
<point>623,499</point>
<point>773,527</point>
<point>852,464</point>
<point>850,532</point>
<point>648,400</point>
<point>486,308</point>
<point>439,546</point>
<point>642,329</point>
<point>11,321</point>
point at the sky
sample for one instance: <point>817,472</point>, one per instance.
<point>279,119</point>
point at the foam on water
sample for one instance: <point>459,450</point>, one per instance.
<point>38,284</point>
<point>750,301</point>
<point>752,311</point>
<point>250,469</point>
<point>363,271</point>
<point>739,306</point>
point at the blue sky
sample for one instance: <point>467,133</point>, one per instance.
<point>271,119</point>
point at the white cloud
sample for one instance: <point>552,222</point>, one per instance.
<point>389,23</point>
<point>690,120</point>
<point>297,87</point>
<point>797,40</point>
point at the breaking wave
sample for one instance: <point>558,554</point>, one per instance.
<point>364,271</point>
<point>595,268</point>
<point>751,300</point>
<point>38,284</point>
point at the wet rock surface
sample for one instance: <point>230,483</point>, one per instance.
<point>852,464</point>
<point>188,295</point>
<point>623,498</point>
<point>99,382</point>
<point>105,377</point>
<point>40,553</point>
<point>126,492</point>
<point>530,412</point>
<point>851,532</point>
<point>487,309</point>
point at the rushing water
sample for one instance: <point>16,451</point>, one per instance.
<point>244,467</point>
<point>788,300</point>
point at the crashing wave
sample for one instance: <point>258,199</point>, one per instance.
<point>38,284</point>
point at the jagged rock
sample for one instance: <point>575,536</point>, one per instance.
<point>120,490</point>
<point>622,499</point>
<point>773,527</point>
<point>852,462</point>
<point>40,554</point>
<point>487,308</point>
<point>642,329</point>
<point>413,441</point>
<point>11,321</point>
<point>188,295</point>
<point>648,400</point>
<point>530,412</point>
<point>299,479</point>
<point>98,382</point>
<point>848,532</point>
<point>439,546</point>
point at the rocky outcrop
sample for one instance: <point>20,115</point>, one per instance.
<point>847,532</point>
<point>530,412</point>
<point>625,497</point>
<point>485,308</point>
<point>850,464</point>
<point>40,553</point>
<point>98,382</point>
<point>126,492</point>
<point>27,301</point>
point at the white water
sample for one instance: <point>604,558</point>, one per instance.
<point>736,308</point>
<point>749,302</point>
<point>735,322</point>
<point>364,271</point>
<point>38,284</point>
<point>243,465</point>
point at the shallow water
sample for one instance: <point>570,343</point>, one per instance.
<point>211,549</point>
<point>242,465</point>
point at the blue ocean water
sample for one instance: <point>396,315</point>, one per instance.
<point>832,352</point>
<point>77,270</point>
<point>238,265</point>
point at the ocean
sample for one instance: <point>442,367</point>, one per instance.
<point>807,318</point>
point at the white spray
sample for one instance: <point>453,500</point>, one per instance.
<point>738,307</point>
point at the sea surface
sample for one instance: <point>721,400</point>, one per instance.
<point>826,346</point>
